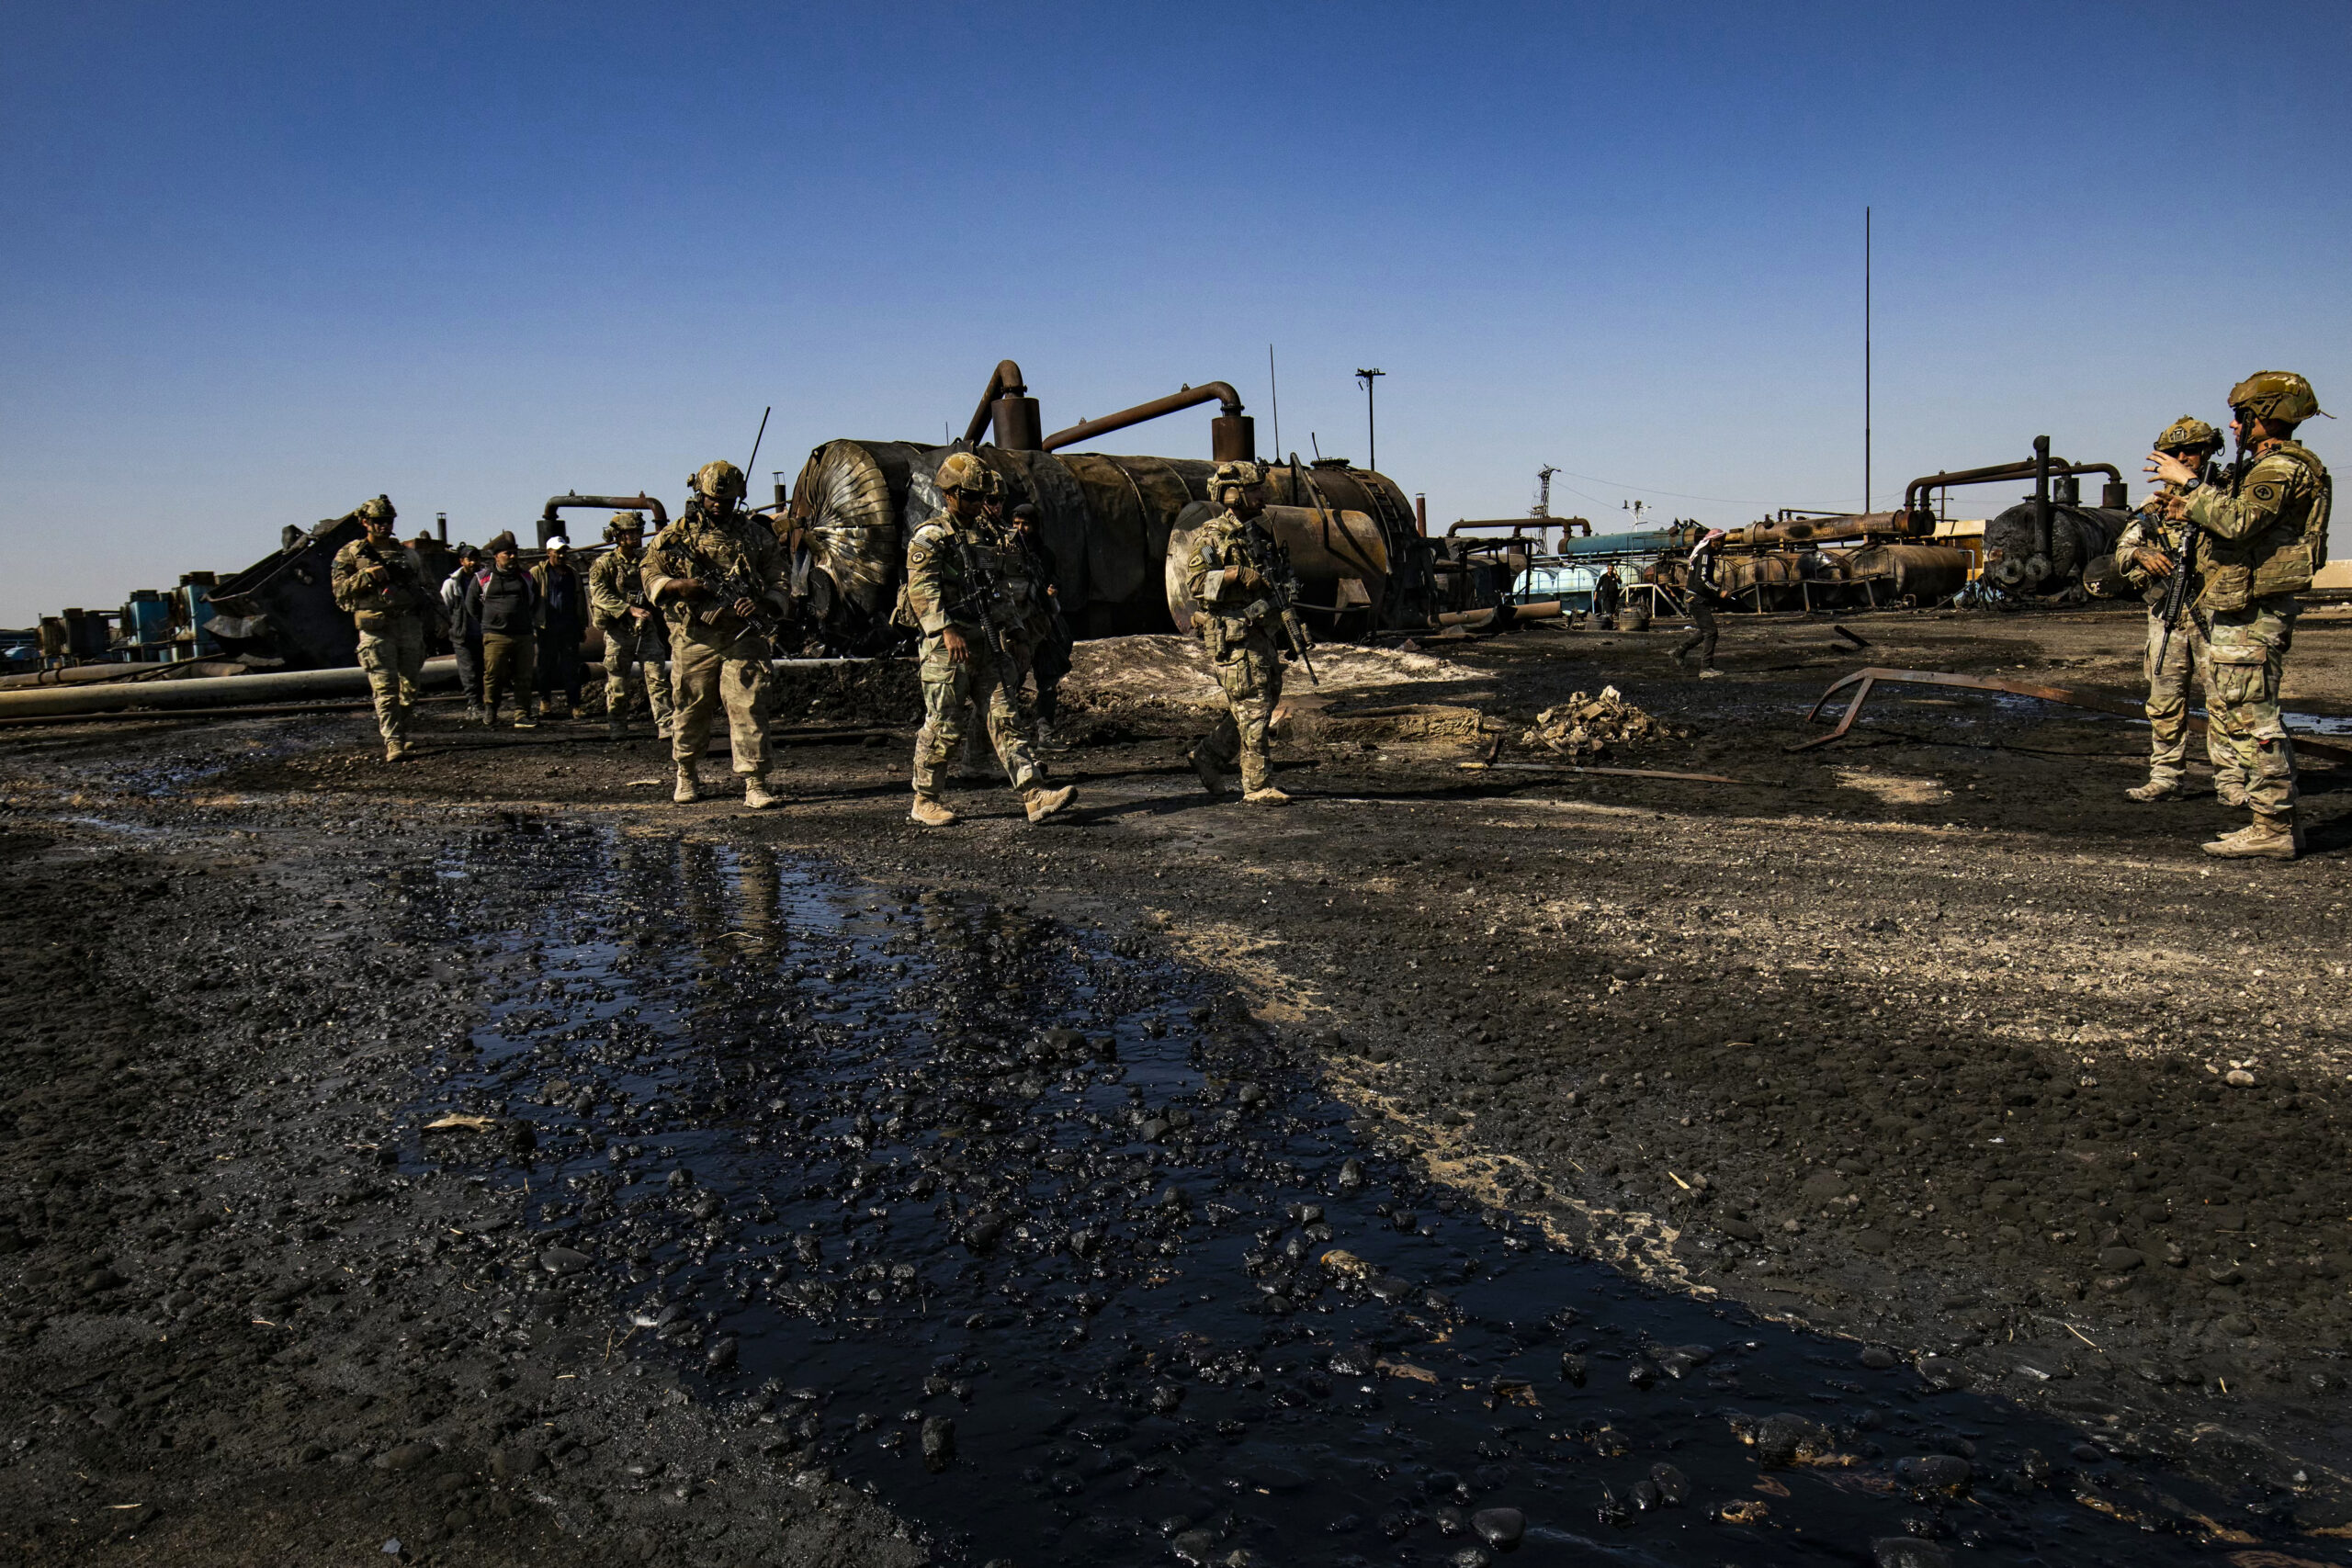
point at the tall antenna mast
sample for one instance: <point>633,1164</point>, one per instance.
<point>1866,358</point>
<point>1543,490</point>
<point>1275,392</point>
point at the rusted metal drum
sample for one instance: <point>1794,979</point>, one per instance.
<point>1923,574</point>
<point>1327,549</point>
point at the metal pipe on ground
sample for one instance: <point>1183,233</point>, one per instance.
<point>211,692</point>
<point>89,674</point>
<point>1502,616</point>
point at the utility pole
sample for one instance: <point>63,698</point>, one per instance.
<point>1866,358</point>
<point>1371,427</point>
<point>1274,389</point>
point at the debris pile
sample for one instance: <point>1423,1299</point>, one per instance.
<point>1587,726</point>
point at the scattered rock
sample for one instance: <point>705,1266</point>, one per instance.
<point>1501,1529</point>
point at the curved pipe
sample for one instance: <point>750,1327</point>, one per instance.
<point>573,501</point>
<point>1190,397</point>
<point>2023,470</point>
<point>1003,382</point>
<point>1519,526</point>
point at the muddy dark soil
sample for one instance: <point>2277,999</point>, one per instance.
<point>825,1190</point>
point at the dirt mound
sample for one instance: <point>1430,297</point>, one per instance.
<point>1588,727</point>
<point>1176,670</point>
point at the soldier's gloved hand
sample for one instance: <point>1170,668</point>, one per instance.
<point>1244,577</point>
<point>2156,563</point>
<point>959,650</point>
<point>744,608</point>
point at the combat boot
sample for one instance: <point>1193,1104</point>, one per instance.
<point>689,788</point>
<point>1709,674</point>
<point>1205,768</point>
<point>395,750</point>
<point>2156,788</point>
<point>1043,803</point>
<point>2265,838</point>
<point>932,812</point>
<point>756,793</point>
<point>1264,795</point>
<point>490,717</point>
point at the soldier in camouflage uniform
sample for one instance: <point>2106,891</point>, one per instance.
<point>381,582</point>
<point>2265,534</point>
<point>633,641</point>
<point>2144,555</point>
<point>969,594</point>
<point>719,654</point>
<point>1238,578</point>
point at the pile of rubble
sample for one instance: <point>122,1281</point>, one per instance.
<point>1587,726</point>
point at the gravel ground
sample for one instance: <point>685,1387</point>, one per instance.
<point>1928,1049</point>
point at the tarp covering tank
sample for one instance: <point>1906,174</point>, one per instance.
<point>2019,560</point>
<point>1108,520</point>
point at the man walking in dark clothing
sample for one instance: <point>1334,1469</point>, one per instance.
<point>505,604</point>
<point>1705,591</point>
<point>563,621</point>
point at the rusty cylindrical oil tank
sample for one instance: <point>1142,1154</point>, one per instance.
<point>1108,519</point>
<point>1924,573</point>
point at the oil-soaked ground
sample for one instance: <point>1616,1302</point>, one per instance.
<point>810,1190</point>
<point>1063,1262</point>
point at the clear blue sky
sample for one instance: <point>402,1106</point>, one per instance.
<point>263,262</point>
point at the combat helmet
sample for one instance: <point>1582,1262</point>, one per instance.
<point>721,481</point>
<point>1228,475</point>
<point>2188,433</point>
<point>962,471</point>
<point>2276,394</point>
<point>625,523</point>
<point>378,509</point>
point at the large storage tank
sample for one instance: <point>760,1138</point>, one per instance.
<point>1110,520</point>
<point>2019,559</point>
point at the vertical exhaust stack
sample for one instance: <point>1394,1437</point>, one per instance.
<point>2042,502</point>
<point>1007,405</point>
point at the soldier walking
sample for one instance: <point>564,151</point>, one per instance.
<point>2175,661</point>
<point>969,592</point>
<point>635,653</point>
<point>2265,535</point>
<point>381,583</point>
<point>717,574</point>
<point>1239,577</point>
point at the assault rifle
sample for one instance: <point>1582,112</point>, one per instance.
<point>2176,597</point>
<point>1259,547</point>
<point>728,589</point>
<point>983,587</point>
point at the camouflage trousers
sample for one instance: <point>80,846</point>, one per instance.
<point>393,656</point>
<point>508,664</point>
<point>706,675</point>
<point>984,689</point>
<point>1252,673</point>
<point>2187,675</point>
<point>2248,649</point>
<point>638,648</point>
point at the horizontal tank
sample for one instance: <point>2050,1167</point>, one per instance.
<point>2018,560</point>
<point>1922,573</point>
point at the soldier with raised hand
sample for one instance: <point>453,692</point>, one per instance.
<point>1239,577</point>
<point>970,594</point>
<point>2144,553</point>
<point>381,583</point>
<point>2265,535</point>
<point>715,573</point>
<point>635,653</point>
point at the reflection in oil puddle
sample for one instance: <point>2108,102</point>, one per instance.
<point>1036,1239</point>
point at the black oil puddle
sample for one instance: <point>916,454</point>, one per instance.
<point>1042,1244</point>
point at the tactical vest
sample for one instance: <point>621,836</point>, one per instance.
<point>2282,557</point>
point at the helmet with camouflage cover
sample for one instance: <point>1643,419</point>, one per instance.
<point>962,471</point>
<point>2188,433</point>
<point>996,486</point>
<point>379,509</point>
<point>1231,476</point>
<point>721,480</point>
<point>2276,394</point>
<point>625,523</point>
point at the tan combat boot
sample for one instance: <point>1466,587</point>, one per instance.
<point>689,788</point>
<point>2158,787</point>
<point>1043,803</point>
<point>756,793</point>
<point>394,751</point>
<point>932,812</point>
<point>1264,795</point>
<point>1205,768</point>
<point>2265,838</point>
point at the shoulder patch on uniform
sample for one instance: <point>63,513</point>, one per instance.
<point>2265,493</point>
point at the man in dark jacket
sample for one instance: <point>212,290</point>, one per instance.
<point>1703,586</point>
<point>563,621</point>
<point>1051,662</point>
<point>465,633</point>
<point>505,604</point>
